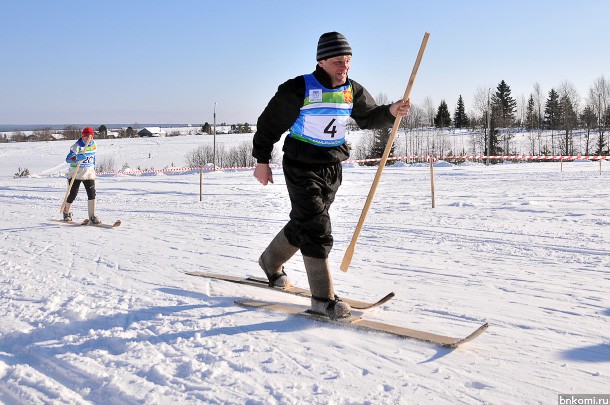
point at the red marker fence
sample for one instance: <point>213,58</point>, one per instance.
<point>407,159</point>
<point>412,159</point>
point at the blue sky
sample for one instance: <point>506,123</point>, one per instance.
<point>136,61</point>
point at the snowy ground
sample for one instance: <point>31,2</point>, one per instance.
<point>108,316</point>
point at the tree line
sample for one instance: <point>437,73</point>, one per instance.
<point>549,122</point>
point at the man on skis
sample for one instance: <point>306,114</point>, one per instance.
<point>314,108</point>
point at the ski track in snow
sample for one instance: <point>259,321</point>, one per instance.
<point>94,315</point>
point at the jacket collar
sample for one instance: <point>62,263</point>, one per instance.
<point>324,79</point>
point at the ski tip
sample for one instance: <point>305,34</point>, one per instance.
<point>470,337</point>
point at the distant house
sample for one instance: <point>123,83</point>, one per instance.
<point>151,131</point>
<point>55,137</point>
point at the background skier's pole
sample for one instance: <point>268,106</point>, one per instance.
<point>63,204</point>
<point>349,253</point>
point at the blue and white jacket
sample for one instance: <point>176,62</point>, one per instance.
<point>86,170</point>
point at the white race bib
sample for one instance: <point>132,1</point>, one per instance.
<point>325,127</point>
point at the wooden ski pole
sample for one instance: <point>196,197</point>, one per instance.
<point>63,204</point>
<point>349,253</point>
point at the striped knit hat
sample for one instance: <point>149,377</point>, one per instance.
<point>332,44</point>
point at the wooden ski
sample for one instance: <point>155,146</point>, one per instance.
<point>263,283</point>
<point>359,323</point>
<point>115,224</point>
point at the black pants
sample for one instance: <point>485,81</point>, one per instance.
<point>89,186</point>
<point>311,191</point>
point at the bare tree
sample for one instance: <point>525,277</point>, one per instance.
<point>539,98</point>
<point>480,100</point>
<point>429,110</point>
<point>42,134</point>
<point>106,164</point>
<point>416,117</point>
<point>364,146</point>
<point>18,136</point>
<point>72,132</point>
<point>412,124</point>
<point>241,156</point>
<point>481,105</point>
<point>566,88</point>
<point>521,110</point>
<point>599,98</point>
<point>200,156</point>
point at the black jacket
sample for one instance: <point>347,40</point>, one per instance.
<point>284,108</point>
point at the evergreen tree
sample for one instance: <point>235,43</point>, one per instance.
<point>552,111</point>
<point>460,118</point>
<point>503,107</point>
<point>588,120</point>
<point>602,145</point>
<point>242,128</point>
<point>380,140</point>
<point>531,115</point>
<point>443,117</point>
<point>568,120</point>
<point>103,131</point>
<point>552,116</point>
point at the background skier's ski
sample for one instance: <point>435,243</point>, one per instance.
<point>87,222</point>
<point>113,225</point>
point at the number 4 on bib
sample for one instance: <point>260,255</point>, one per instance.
<point>330,131</point>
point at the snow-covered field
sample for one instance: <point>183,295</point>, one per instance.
<point>89,315</point>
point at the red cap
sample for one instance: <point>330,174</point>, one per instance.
<point>88,131</point>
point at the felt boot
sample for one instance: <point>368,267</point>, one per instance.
<point>323,298</point>
<point>273,258</point>
<point>67,213</point>
<point>91,208</point>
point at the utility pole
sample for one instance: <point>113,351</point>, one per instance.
<point>214,136</point>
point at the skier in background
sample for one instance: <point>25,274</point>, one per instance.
<point>85,154</point>
<point>314,108</point>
